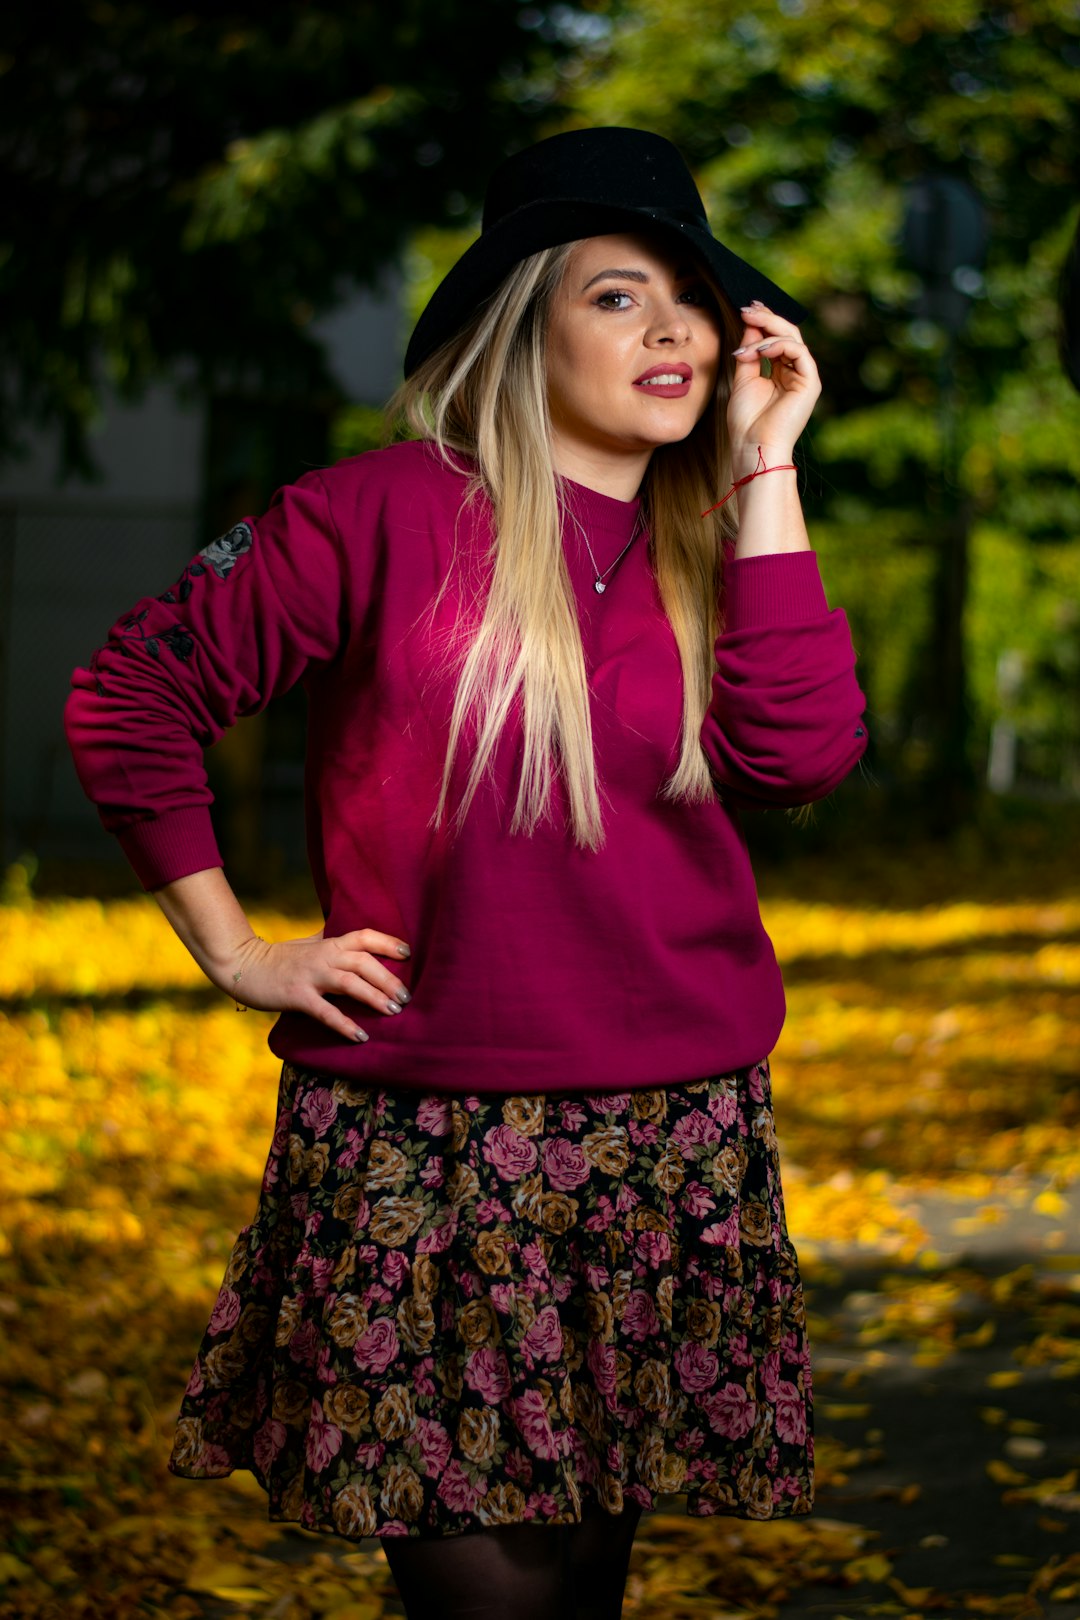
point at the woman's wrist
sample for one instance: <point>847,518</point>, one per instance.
<point>752,457</point>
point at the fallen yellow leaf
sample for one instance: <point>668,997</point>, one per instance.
<point>1002,1473</point>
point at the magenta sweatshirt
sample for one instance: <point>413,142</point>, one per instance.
<point>535,965</point>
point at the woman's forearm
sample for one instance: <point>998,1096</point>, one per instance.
<point>770,512</point>
<point>209,919</point>
<point>291,974</point>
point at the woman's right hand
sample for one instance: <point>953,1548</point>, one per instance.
<point>297,975</point>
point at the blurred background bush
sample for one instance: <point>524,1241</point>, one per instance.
<point>221,224</point>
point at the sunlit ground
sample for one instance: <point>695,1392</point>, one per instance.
<point>930,1049</point>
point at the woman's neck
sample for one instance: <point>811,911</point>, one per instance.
<point>609,474</point>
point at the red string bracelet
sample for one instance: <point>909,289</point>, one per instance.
<point>788,466</point>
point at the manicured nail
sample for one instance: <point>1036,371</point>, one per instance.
<point>404,951</point>
<point>403,996</point>
<point>744,350</point>
<point>358,1034</point>
<point>393,1006</point>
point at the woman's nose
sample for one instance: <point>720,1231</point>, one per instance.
<point>673,329</point>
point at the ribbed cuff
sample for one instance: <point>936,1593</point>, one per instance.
<point>171,846</point>
<point>781,588</point>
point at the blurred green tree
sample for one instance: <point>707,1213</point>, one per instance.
<point>192,181</point>
<point>804,120</point>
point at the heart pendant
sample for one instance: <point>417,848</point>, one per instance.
<point>599,587</point>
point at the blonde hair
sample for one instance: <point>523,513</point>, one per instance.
<point>484,395</point>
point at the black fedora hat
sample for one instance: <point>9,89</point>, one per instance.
<point>585,182</point>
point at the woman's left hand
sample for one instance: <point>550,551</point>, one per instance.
<point>770,410</point>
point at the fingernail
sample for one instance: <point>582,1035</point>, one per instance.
<point>403,996</point>
<point>393,1006</point>
<point>403,950</point>
<point>358,1034</point>
<point>744,350</point>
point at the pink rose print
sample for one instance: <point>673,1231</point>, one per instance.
<point>541,1505</point>
<point>195,1382</point>
<point>268,1443</point>
<point>215,1460</point>
<point>654,1248</point>
<point>304,1343</point>
<point>435,1445</point>
<point>318,1110</point>
<point>434,1116</point>
<point>518,1466</point>
<point>694,1131</point>
<point>643,1132</point>
<point>457,1490</point>
<point>640,1318</point>
<point>602,1365</point>
<point>724,1108</point>
<point>377,1347</point>
<point>535,1264</point>
<point>323,1441</point>
<point>724,1234</point>
<point>565,1164</point>
<point>349,1155</point>
<point>226,1312</point>
<point>322,1275</point>
<point>790,1415</point>
<point>696,1200</point>
<point>395,1268</point>
<point>486,1371</point>
<point>697,1366</point>
<point>510,1154</point>
<point>530,1415</point>
<point>544,1341</point>
<point>617,1103</point>
<point>440,1237</point>
<point>504,1297</point>
<point>730,1411</point>
<point>573,1116</point>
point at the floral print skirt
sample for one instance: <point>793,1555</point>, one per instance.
<point>458,1311</point>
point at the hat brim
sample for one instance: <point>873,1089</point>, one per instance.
<point>484,265</point>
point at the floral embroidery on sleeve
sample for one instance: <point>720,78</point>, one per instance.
<point>222,553</point>
<point>221,556</point>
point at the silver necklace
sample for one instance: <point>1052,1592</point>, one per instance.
<point>600,582</point>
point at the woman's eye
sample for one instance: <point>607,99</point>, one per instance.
<point>614,300</point>
<point>695,295</point>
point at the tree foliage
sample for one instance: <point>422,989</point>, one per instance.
<point>193,182</point>
<point>805,120</point>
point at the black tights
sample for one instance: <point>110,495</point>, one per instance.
<point>517,1571</point>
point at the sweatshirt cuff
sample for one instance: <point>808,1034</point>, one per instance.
<point>782,588</point>
<point>171,846</point>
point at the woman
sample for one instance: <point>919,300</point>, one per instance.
<point>520,1265</point>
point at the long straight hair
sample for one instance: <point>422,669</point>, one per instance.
<point>484,395</point>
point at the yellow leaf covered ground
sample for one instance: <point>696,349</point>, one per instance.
<point>925,1048</point>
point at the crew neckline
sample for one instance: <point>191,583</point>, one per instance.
<point>599,511</point>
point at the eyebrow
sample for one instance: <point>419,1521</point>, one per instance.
<point>683,273</point>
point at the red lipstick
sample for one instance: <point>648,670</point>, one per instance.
<point>676,384</point>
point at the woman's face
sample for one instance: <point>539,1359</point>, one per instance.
<point>633,354</point>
